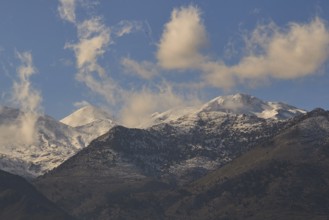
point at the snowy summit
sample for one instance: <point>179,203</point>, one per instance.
<point>236,104</point>
<point>86,115</point>
<point>250,105</point>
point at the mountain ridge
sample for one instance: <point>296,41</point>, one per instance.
<point>164,156</point>
<point>235,104</point>
<point>54,143</point>
<point>115,158</point>
<point>284,178</point>
<point>57,141</point>
<point>86,115</point>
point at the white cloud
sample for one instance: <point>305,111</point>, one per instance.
<point>23,93</point>
<point>22,130</point>
<point>143,69</point>
<point>126,27</point>
<point>81,104</point>
<point>94,39</point>
<point>66,10</point>
<point>182,39</point>
<point>272,52</point>
<point>217,74</point>
<point>296,51</point>
<point>140,105</point>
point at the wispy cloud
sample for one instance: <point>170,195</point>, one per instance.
<point>66,10</point>
<point>24,94</point>
<point>144,69</point>
<point>93,41</point>
<point>140,105</point>
<point>256,11</point>
<point>81,104</point>
<point>22,129</point>
<point>127,27</point>
<point>148,32</point>
<point>94,37</point>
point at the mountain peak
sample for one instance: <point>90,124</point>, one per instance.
<point>86,115</point>
<point>317,112</point>
<point>241,103</point>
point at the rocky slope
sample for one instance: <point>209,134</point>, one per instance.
<point>285,178</point>
<point>144,162</point>
<point>193,133</point>
<point>54,143</point>
<point>20,200</point>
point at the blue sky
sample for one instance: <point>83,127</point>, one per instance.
<point>138,57</point>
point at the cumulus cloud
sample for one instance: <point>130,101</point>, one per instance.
<point>298,50</point>
<point>126,27</point>
<point>66,10</point>
<point>144,69</point>
<point>217,74</point>
<point>182,39</point>
<point>22,130</point>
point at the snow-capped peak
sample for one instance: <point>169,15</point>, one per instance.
<point>250,105</point>
<point>238,104</point>
<point>167,116</point>
<point>86,115</point>
<point>90,120</point>
<point>232,104</point>
<point>52,142</point>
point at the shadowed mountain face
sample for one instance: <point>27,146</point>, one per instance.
<point>122,172</point>
<point>286,178</point>
<point>98,182</point>
<point>20,200</point>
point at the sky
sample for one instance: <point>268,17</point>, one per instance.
<point>135,58</point>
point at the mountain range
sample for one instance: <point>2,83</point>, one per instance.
<point>58,140</point>
<point>235,157</point>
<point>238,104</point>
<point>283,177</point>
<point>54,143</point>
